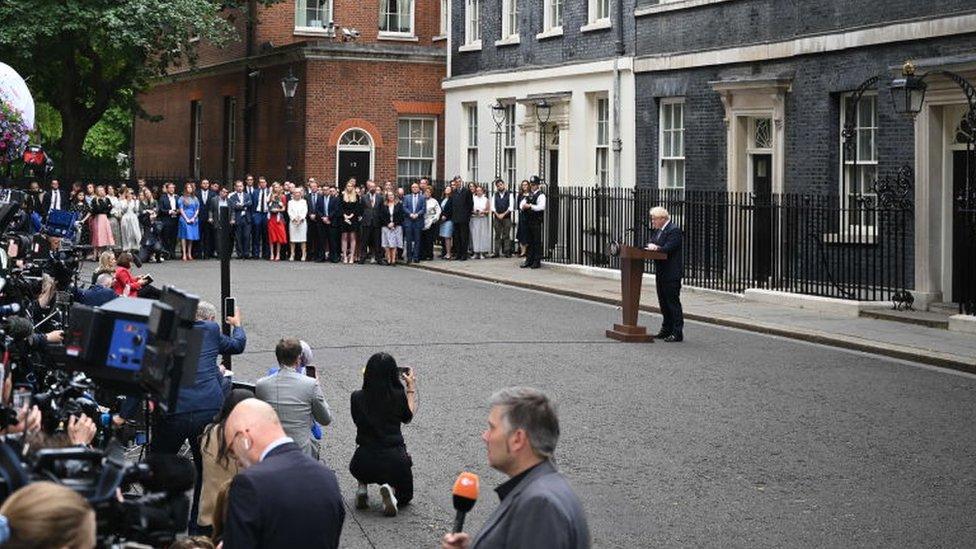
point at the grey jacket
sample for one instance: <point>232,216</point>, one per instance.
<point>297,399</point>
<point>541,511</point>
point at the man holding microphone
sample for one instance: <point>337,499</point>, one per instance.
<point>538,508</point>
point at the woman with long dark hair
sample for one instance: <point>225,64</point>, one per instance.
<point>218,467</point>
<point>387,400</point>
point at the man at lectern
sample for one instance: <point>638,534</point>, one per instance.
<point>666,238</point>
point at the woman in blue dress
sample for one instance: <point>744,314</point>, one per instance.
<point>189,224</point>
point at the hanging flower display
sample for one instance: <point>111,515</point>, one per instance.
<point>14,133</point>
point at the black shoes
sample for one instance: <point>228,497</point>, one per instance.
<point>673,339</point>
<point>661,335</point>
<point>525,265</point>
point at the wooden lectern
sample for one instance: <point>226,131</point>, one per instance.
<point>631,276</point>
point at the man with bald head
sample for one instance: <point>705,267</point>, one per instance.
<point>281,498</point>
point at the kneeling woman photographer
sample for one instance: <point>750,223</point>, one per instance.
<point>45,514</point>
<point>387,400</point>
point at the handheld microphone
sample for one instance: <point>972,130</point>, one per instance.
<point>465,495</point>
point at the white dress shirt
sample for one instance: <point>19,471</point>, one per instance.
<point>274,444</point>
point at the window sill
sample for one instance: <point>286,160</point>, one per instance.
<point>510,40</point>
<point>549,33</point>
<point>439,38</point>
<point>674,5</point>
<point>599,24</point>
<point>864,235</point>
<point>397,36</point>
<point>473,46</point>
<point>313,31</point>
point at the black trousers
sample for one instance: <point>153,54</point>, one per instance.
<point>171,431</point>
<point>533,255</point>
<point>371,242</point>
<point>171,227</point>
<point>205,246</point>
<point>668,296</point>
<point>462,238</point>
<point>427,242</point>
<point>242,239</point>
<point>314,243</point>
<point>334,236</point>
<point>391,466</point>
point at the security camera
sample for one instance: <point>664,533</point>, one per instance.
<point>350,34</point>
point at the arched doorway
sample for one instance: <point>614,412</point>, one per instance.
<point>354,157</point>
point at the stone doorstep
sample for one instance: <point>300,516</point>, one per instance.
<point>963,323</point>
<point>925,356</point>
<point>928,319</point>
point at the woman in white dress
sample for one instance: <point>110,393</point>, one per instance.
<point>115,216</point>
<point>129,226</point>
<point>298,226</point>
<point>480,227</point>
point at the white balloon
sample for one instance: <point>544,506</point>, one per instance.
<point>14,91</point>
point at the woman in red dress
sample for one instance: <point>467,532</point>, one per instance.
<point>125,284</point>
<point>276,223</point>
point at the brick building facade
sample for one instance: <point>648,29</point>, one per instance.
<point>368,101</point>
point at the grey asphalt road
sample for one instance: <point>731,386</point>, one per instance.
<point>729,439</point>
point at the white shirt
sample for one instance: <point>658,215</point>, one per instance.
<point>480,204</point>
<point>56,200</point>
<point>274,444</point>
<point>511,203</point>
<point>540,204</point>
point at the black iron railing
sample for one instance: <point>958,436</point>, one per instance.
<point>809,244</point>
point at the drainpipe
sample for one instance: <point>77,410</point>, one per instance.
<point>249,100</point>
<point>616,141</point>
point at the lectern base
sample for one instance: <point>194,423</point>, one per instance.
<point>630,334</point>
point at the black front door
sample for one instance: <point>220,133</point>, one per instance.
<point>353,164</point>
<point>963,231</point>
<point>762,223</point>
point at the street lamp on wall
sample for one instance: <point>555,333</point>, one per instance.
<point>289,85</point>
<point>498,115</point>
<point>543,110</point>
<point>908,92</point>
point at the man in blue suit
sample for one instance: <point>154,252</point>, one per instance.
<point>197,405</point>
<point>239,203</point>
<point>282,498</point>
<point>97,294</point>
<point>330,215</point>
<point>667,238</point>
<point>259,219</point>
<point>414,207</point>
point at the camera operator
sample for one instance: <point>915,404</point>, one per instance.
<point>197,405</point>
<point>45,514</point>
<point>97,294</point>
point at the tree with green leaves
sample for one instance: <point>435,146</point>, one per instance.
<point>83,57</point>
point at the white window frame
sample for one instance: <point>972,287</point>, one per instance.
<point>601,154</point>
<point>552,19</point>
<point>444,21</point>
<point>302,24</point>
<point>857,163</point>
<point>197,144</point>
<point>471,141</point>
<point>432,159</point>
<point>398,35</point>
<point>509,151</point>
<point>472,22</point>
<point>666,107</point>
<point>510,22</point>
<point>598,15</point>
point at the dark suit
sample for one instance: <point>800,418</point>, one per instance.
<point>398,215</point>
<point>315,228</point>
<point>540,511</point>
<point>668,274</point>
<point>461,217</point>
<point>259,224</point>
<point>94,295</point>
<point>413,204</point>
<point>240,216</point>
<point>286,501</point>
<point>331,207</point>
<point>48,198</point>
<point>370,226</point>
<point>213,211</point>
<point>205,246</point>
<point>168,214</point>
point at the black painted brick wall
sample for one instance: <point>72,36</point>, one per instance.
<point>741,22</point>
<point>572,47</point>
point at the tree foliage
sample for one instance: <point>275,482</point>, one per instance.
<point>84,56</point>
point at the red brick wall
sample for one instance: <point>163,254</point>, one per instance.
<point>345,92</point>
<point>163,147</point>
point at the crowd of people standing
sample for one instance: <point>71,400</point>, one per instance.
<point>386,224</point>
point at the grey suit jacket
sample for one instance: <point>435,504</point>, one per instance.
<point>542,511</point>
<point>297,399</point>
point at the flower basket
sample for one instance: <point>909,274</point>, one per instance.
<point>14,134</point>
